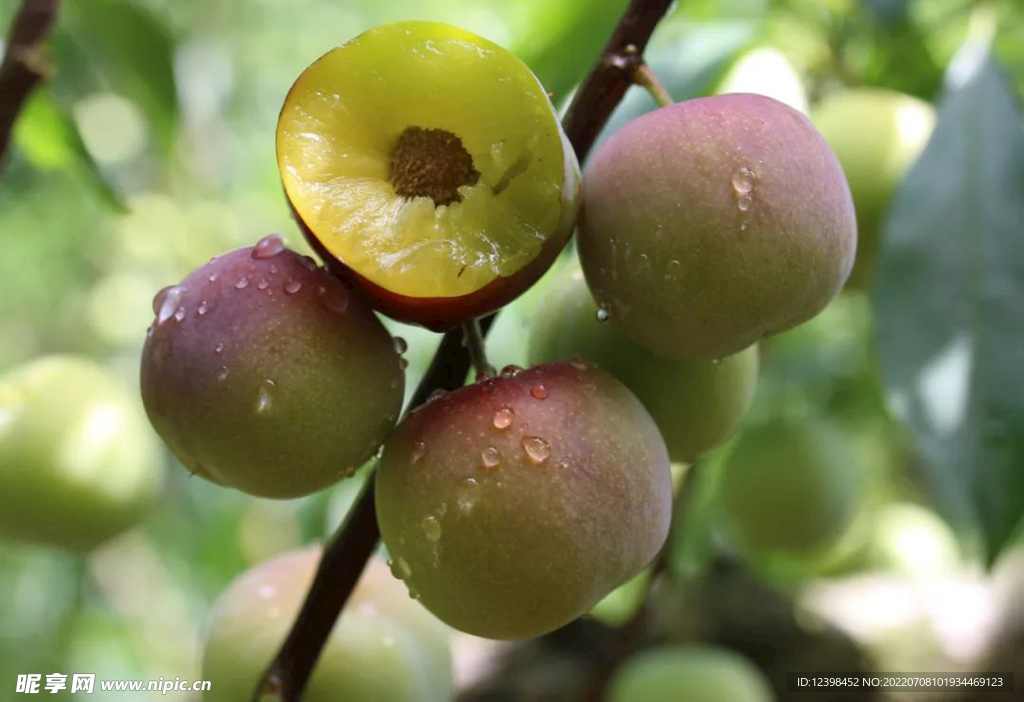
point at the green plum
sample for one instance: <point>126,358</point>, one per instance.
<point>689,674</point>
<point>264,374</point>
<point>511,506</point>
<point>384,646</point>
<point>696,404</point>
<point>78,463</point>
<point>877,134</point>
<point>792,488</point>
<point>712,223</point>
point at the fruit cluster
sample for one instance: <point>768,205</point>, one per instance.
<point>428,170</point>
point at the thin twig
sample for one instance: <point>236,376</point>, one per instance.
<point>645,77</point>
<point>473,338</point>
<point>25,62</point>
<point>344,559</point>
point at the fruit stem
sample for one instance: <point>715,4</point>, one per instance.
<point>24,64</point>
<point>351,547</point>
<point>646,78</point>
<point>477,348</point>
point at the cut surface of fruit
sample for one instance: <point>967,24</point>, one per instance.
<point>427,161</point>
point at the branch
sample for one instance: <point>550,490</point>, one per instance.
<point>344,559</point>
<point>25,62</point>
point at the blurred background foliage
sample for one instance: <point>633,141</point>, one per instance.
<point>151,150</point>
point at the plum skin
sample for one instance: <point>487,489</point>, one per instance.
<point>283,385</point>
<point>384,647</point>
<point>696,404</point>
<point>791,488</point>
<point>694,672</point>
<point>712,223</point>
<point>78,463</point>
<point>504,537</point>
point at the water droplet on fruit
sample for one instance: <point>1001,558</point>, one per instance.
<point>563,464</point>
<point>578,363</point>
<point>263,284</point>
<point>401,346</point>
<point>212,277</point>
<point>265,398</point>
<point>413,594</point>
<point>743,180</point>
<point>400,569</point>
<point>166,302</point>
<point>273,269</point>
<point>537,449</point>
<point>308,263</point>
<point>242,283</point>
<point>403,363</point>
<point>486,373</point>
<point>602,314</point>
<point>431,528</point>
<point>504,417</point>
<point>179,314</point>
<point>268,247</point>
<point>292,287</point>
<point>468,494</point>
<point>219,348</point>
<point>436,394</point>
<point>539,392</point>
<point>334,300</point>
<point>223,374</point>
<point>418,449</point>
<point>203,308</point>
<point>511,371</point>
<point>490,457</point>
<point>744,202</point>
<point>645,262</point>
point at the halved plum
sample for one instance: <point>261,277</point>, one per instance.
<point>428,167</point>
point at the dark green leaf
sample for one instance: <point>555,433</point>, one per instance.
<point>134,53</point>
<point>49,139</point>
<point>950,301</point>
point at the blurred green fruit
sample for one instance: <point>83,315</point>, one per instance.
<point>262,373</point>
<point>696,404</point>
<point>511,506</point>
<point>384,646</point>
<point>766,71</point>
<point>78,463</point>
<point>689,674</point>
<point>791,488</point>
<point>877,135</point>
<point>712,223</point>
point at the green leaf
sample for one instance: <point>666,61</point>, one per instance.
<point>950,301</point>
<point>134,53</point>
<point>49,139</point>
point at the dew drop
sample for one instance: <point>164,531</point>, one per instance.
<point>418,449</point>
<point>403,363</point>
<point>602,314</point>
<point>468,494</point>
<point>308,263</point>
<point>212,277</point>
<point>563,464</point>
<point>486,373</point>
<point>400,569</point>
<point>263,284</point>
<point>292,287</point>
<point>744,202</point>
<point>537,449</point>
<point>511,371</point>
<point>413,594</point>
<point>436,394</point>
<point>219,348</point>
<point>265,398</point>
<point>273,269</point>
<point>223,374</point>
<point>504,417</point>
<point>401,346</point>
<point>203,308</point>
<point>334,300</point>
<point>743,180</point>
<point>431,528</point>
<point>179,314</point>
<point>242,283</point>
<point>539,392</point>
<point>578,363</point>
<point>490,457</point>
<point>166,302</point>
<point>268,247</point>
